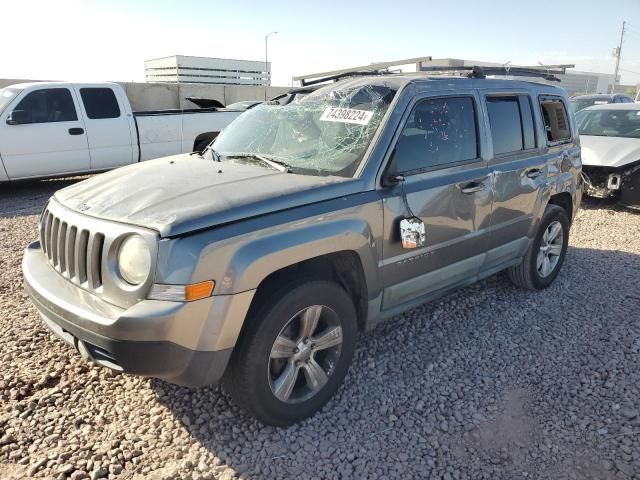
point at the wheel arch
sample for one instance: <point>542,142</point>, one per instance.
<point>342,267</point>
<point>564,200</point>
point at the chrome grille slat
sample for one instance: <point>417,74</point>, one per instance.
<point>70,252</point>
<point>81,257</point>
<point>47,234</point>
<point>62,242</point>
<point>94,257</point>
<point>54,242</point>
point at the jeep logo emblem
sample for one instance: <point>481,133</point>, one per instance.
<point>83,207</point>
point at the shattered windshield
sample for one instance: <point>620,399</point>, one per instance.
<point>609,123</point>
<point>324,133</point>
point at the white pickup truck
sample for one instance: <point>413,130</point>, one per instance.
<point>52,129</point>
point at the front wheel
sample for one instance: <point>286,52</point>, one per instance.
<point>542,262</point>
<point>295,353</point>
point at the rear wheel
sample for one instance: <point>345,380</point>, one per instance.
<point>542,262</point>
<point>295,353</point>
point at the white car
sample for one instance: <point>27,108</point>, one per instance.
<point>610,139</point>
<point>52,129</point>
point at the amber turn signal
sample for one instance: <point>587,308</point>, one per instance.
<point>196,291</point>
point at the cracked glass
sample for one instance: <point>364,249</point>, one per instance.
<point>326,132</point>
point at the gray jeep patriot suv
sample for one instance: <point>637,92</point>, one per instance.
<point>257,261</point>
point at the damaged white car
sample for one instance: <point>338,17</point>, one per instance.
<point>610,139</point>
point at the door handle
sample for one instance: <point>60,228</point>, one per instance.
<point>76,131</point>
<point>473,187</point>
<point>534,173</point>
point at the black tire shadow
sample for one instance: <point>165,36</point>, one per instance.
<point>490,337</point>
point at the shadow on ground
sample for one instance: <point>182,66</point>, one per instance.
<point>14,203</point>
<point>429,390</point>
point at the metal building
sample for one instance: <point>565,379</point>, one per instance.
<point>187,69</point>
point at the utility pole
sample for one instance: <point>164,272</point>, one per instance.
<point>616,53</point>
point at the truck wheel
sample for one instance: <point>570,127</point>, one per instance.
<point>295,353</point>
<point>543,260</point>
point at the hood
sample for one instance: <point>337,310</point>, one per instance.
<point>179,194</point>
<point>609,151</point>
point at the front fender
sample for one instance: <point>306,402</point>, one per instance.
<point>238,257</point>
<point>255,260</point>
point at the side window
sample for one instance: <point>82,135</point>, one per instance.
<point>556,120</point>
<point>511,123</point>
<point>438,132</point>
<point>49,105</point>
<point>100,103</point>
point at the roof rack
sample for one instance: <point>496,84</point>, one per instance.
<point>547,72</point>
<point>380,68</point>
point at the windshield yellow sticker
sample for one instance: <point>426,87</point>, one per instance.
<point>346,115</point>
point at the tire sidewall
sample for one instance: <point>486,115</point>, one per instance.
<point>550,216</point>
<point>268,324</point>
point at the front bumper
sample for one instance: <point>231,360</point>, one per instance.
<point>183,343</point>
<point>621,184</point>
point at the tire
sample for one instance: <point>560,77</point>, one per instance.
<point>258,381</point>
<point>528,273</point>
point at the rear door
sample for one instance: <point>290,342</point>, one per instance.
<point>447,186</point>
<point>51,142</point>
<point>111,141</point>
<point>519,169</point>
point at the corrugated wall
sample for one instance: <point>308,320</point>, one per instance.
<point>158,96</point>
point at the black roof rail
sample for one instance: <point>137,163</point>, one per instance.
<point>378,68</point>
<point>478,71</point>
<point>340,76</point>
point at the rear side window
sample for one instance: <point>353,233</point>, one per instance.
<point>49,105</point>
<point>556,120</point>
<point>100,103</point>
<point>511,123</point>
<point>438,132</point>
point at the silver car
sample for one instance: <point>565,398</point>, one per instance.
<point>257,261</point>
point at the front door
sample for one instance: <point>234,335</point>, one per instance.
<point>52,139</point>
<point>447,186</point>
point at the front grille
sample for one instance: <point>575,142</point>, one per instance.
<point>75,252</point>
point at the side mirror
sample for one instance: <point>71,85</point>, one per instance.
<point>391,179</point>
<point>19,117</point>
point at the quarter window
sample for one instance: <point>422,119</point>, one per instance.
<point>556,120</point>
<point>100,103</point>
<point>49,105</point>
<point>438,132</point>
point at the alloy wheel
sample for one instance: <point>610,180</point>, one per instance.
<point>550,249</point>
<point>305,354</point>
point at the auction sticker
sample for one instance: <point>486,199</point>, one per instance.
<point>346,115</point>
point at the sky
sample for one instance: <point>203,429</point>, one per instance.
<point>93,40</point>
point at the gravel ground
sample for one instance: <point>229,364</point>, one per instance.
<point>489,382</point>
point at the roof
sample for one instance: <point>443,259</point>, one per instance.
<point>615,106</point>
<point>22,86</point>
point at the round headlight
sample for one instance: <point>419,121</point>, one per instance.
<point>134,260</point>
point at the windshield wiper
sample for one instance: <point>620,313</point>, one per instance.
<point>272,162</point>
